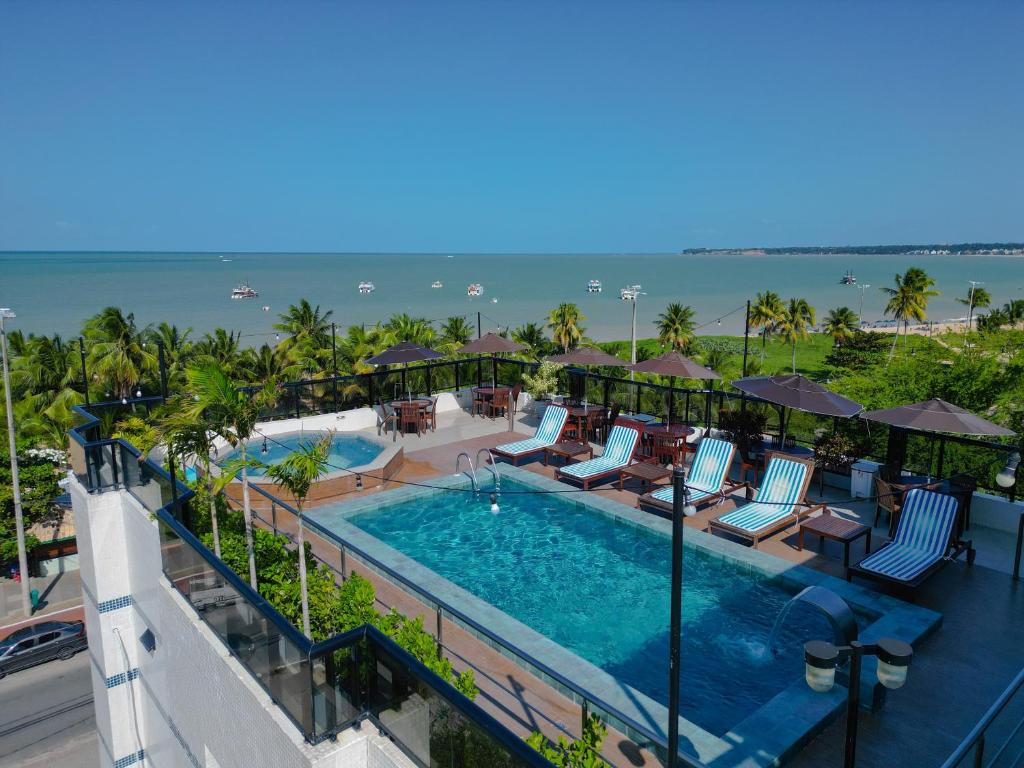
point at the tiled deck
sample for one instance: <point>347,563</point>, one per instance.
<point>956,674</point>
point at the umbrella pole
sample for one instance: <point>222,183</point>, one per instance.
<point>782,428</point>
<point>671,397</point>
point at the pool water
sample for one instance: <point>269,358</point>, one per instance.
<point>346,450</point>
<point>600,589</point>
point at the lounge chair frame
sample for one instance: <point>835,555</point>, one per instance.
<point>514,458</point>
<point>585,482</point>
<point>728,486</point>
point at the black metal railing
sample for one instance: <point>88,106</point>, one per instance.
<point>322,687</point>
<point>997,741</point>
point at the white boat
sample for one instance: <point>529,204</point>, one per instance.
<point>475,289</point>
<point>848,278</point>
<point>494,300</point>
<point>244,291</point>
<point>630,293</point>
<point>437,284</point>
<point>594,286</point>
<point>367,287</point>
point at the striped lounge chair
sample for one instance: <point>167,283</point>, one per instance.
<point>707,478</point>
<point>925,540</point>
<point>779,502</point>
<point>619,451</point>
<point>549,432</point>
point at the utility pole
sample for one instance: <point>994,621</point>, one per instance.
<point>631,294</point>
<point>860,312</point>
<point>746,338</point>
<point>970,303</point>
<point>85,375</point>
<point>334,365</point>
<point>19,522</point>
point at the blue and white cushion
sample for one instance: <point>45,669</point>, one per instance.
<point>776,499</point>
<point>922,536</point>
<point>618,452</point>
<point>707,473</point>
<point>548,432</point>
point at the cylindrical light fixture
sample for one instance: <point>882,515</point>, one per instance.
<point>820,662</point>
<point>893,660</point>
<point>1007,477</point>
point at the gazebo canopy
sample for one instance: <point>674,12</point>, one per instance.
<point>799,393</point>
<point>937,416</point>
<point>674,364</point>
<point>403,352</point>
<point>490,344</point>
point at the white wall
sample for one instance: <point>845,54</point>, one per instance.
<point>189,703</point>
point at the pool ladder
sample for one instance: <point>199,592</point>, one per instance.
<point>490,466</point>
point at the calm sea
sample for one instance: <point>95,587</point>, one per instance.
<point>55,292</point>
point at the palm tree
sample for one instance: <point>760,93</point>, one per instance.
<point>231,414</point>
<point>304,322</point>
<point>675,327</point>
<point>264,363</point>
<point>976,298</point>
<point>221,348</point>
<point>841,323</point>
<point>909,301</point>
<point>417,330</point>
<point>766,311</point>
<point>45,383</point>
<point>118,352</point>
<point>532,335</point>
<point>296,474</point>
<point>189,438</point>
<point>564,323</point>
<point>455,332</point>
<point>177,348</point>
<point>797,318</point>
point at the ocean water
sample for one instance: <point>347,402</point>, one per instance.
<point>601,590</point>
<point>55,292</point>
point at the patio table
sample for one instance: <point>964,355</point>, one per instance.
<point>568,449</point>
<point>422,404</point>
<point>584,416</point>
<point>829,526</point>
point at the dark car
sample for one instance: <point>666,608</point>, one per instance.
<point>41,642</point>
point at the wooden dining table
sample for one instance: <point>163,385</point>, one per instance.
<point>654,431</point>
<point>584,416</point>
<point>422,403</point>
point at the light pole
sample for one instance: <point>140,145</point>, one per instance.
<point>970,303</point>
<point>860,312</point>
<point>631,293</point>
<point>681,508</point>
<point>821,660</point>
<point>19,523</point>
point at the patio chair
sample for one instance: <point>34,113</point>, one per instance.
<point>497,403</point>
<point>410,414</point>
<point>430,415</point>
<point>780,501</point>
<point>708,478</point>
<point>513,401</point>
<point>479,403</point>
<point>549,432</point>
<point>609,421</point>
<point>387,420</point>
<point>619,452</point>
<point>886,500</point>
<point>925,540</point>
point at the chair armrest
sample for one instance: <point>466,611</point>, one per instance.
<point>749,492</point>
<point>815,506</point>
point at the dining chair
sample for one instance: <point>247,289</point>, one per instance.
<point>479,403</point>
<point>387,419</point>
<point>411,415</point>
<point>430,415</point>
<point>514,397</point>
<point>498,402</point>
<point>887,499</point>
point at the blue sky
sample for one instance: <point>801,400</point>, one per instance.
<point>508,126</point>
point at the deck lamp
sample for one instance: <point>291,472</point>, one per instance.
<point>1007,477</point>
<point>689,510</point>
<point>264,450</point>
<point>821,659</point>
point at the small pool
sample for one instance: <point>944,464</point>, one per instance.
<point>600,588</point>
<point>346,450</point>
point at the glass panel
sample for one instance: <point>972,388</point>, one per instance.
<point>336,686</point>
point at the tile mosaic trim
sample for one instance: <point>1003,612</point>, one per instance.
<point>132,759</point>
<point>122,677</point>
<point>115,604</point>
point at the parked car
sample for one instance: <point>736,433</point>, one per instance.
<point>41,642</point>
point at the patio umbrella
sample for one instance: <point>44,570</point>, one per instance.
<point>799,393</point>
<point>936,416</point>
<point>673,364</point>
<point>587,356</point>
<point>404,352</point>
<point>490,344</point>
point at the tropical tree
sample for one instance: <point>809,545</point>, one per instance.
<point>532,336</point>
<point>908,300</point>
<point>976,298</point>
<point>231,414</point>
<point>361,343</point>
<point>564,323</point>
<point>296,474</point>
<point>264,363</point>
<point>765,312</point>
<point>841,323</point>
<point>305,323</point>
<point>794,324</point>
<point>117,351</point>
<point>45,382</point>
<point>675,327</point>
<point>404,327</point>
<point>455,332</point>
<point>221,347</point>
<point>176,350</point>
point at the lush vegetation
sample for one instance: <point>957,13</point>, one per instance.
<point>38,475</point>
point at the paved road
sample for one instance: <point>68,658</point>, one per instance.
<point>46,716</point>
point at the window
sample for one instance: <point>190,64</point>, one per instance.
<point>25,645</point>
<point>49,637</point>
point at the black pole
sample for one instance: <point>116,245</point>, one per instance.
<point>163,369</point>
<point>478,326</point>
<point>676,620</point>
<point>85,375</point>
<point>746,338</point>
<point>334,364</point>
<point>671,397</point>
<point>853,704</point>
<point>1020,541</point>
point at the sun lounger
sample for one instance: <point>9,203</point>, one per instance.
<point>549,432</point>
<point>779,503</point>
<point>925,540</point>
<point>619,452</point>
<point>706,479</point>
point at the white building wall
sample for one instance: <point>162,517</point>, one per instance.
<point>189,703</point>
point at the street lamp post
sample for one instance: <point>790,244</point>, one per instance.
<point>821,660</point>
<point>970,303</point>
<point>630,294</point>
<point>19,522</point>
<point>860,312</point>
<point>681,508</point>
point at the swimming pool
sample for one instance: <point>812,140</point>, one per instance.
<point>346,450</point>
<point>586,584</point>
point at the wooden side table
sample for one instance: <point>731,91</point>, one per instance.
<point>829,526</point>
<point>568,449</point>
<point>645,471</point>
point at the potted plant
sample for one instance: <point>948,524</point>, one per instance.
<point>834,452</point>
<point>542,384</point>
<point>744,427</point>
